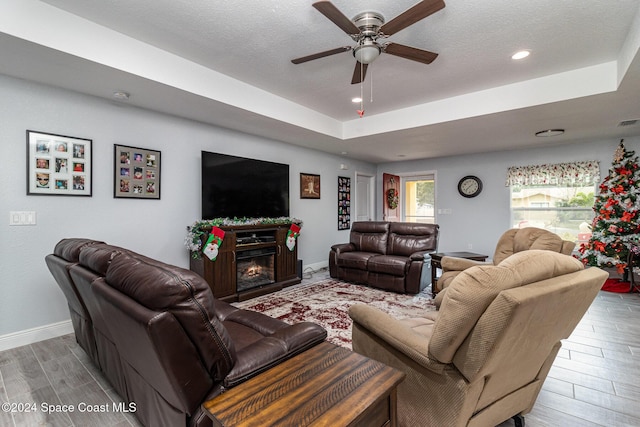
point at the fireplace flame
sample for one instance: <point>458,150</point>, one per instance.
<point>254,270</point>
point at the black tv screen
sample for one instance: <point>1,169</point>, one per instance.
<point>241,187</point>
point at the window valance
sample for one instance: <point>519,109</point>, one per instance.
<point>564,174</point>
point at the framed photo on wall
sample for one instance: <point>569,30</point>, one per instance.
<point>136,173</point>
<point>309,186</point>
<point>344,203</point>
<point>58,165</point>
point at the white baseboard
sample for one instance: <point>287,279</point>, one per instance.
<point>29,336</point>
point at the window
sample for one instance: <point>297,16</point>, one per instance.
<point>420,199</point>
<point>563,212</point>
<point>558,198</point>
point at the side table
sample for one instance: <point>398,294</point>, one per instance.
<point>437,257</point>
<point>326,385</point>
<point>633,261</point>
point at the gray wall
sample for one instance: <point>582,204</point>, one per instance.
<point>480,221</point>
<point>29,297</point>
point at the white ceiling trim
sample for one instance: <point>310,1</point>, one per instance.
<point>56,29</point>
<point>573,84</point>
<point>630,48</point>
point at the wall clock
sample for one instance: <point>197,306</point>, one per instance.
<point>469,186</point>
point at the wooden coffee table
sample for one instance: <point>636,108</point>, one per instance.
<point>326,385</point>
<point>437,257</point>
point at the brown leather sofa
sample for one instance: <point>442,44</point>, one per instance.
<point>158,334</point>
<point>386,255</point>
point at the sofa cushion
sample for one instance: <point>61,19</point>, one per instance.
<point>522,239</point>
<point>97,257</point>
<point>370,236</point>
<point>389,264</point>
<point>162,287</point>
<point>471,292</point>
<point>408,238</point>
<point>69,249</point>
<point>357,260</point>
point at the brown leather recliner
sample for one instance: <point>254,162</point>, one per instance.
<point>67,254</point>
<point>483,357</point>
<point>511,242</point>
<point>385,255</point>
<point>162,339</point>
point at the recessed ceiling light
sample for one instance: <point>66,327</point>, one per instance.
<point>549,132</point>
<point>356,100</point>
<point>123,96</point>
<point>520,55</point>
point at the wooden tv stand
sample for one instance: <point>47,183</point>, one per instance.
<point>221,274</point>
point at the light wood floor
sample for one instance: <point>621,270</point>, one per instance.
<point>595,380</point>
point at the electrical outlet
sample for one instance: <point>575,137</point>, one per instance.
<point>469,246</point>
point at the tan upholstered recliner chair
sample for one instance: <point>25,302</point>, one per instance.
<point>482,358</point>
<point>511,242</point>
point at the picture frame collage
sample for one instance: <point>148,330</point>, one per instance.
<point>344,203</point>
<point>136,172</point>
<point>58,165</point>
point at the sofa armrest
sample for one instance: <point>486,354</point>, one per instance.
<point>419,256</point>
<point>273,349</point>
<point>458,264</point>
<point>343,247</point>
<point>394,333</point>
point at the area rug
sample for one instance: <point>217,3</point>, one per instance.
<point>327,303</point>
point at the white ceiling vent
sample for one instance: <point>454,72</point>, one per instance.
<point>628,122</point>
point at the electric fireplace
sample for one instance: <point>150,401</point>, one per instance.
<point>255,268</point>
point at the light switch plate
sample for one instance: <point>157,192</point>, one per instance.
<point>22,218</point>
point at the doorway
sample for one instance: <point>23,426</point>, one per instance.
<point>364,197</point>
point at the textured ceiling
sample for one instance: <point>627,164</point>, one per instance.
<point>253,41</point>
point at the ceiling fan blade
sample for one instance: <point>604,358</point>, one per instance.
<point>411,53</point>
<point>321,54</point>
<point>330,11</point>
<point>412,15</point>
<point>359,73</point>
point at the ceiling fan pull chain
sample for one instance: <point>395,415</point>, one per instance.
<point>371,90</point>
<point>361,88</point>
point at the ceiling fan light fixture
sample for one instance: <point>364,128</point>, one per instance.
<point>367,51</point>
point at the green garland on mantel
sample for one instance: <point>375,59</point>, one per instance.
<point>193,241</point>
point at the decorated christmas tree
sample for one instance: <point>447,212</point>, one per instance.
<point>615,227</point>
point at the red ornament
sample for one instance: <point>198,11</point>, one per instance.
<point>360,113</point>
<point>618,189</point>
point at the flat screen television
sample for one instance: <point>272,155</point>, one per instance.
<point>241,187</point>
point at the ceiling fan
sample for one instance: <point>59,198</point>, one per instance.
<point>369,30</point>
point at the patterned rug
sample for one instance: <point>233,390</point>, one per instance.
<point>327,303</point>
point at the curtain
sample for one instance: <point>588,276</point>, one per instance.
<point>577,174</point>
